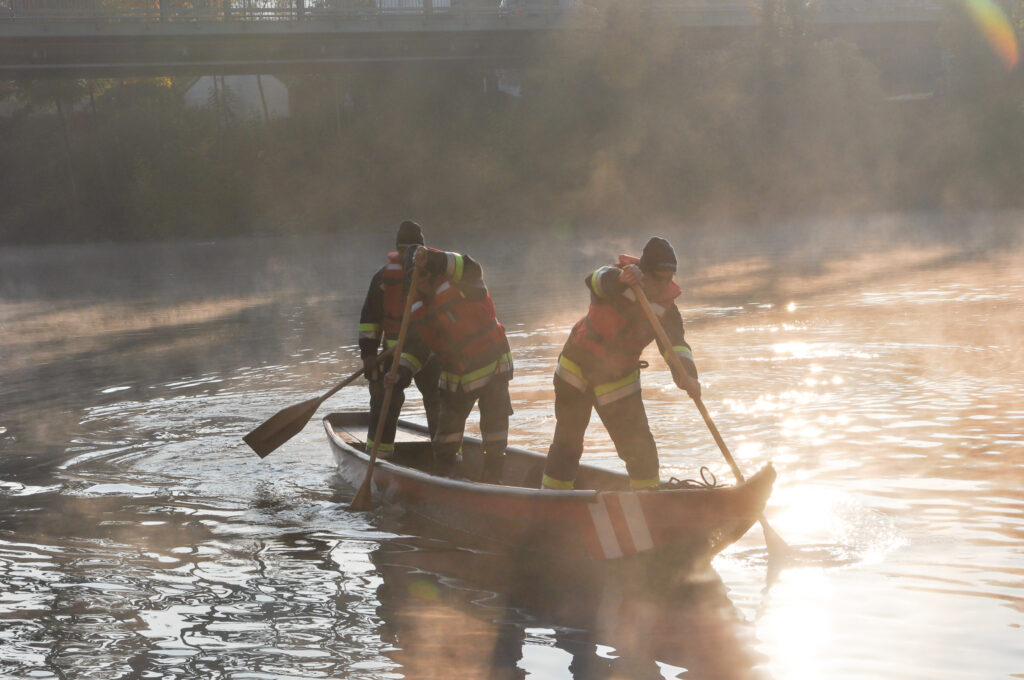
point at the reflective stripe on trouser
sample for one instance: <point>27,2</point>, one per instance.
<point>626,422</point>
<point>476,379</point>
<point>383,450</point>
<point>495,408</point>
<point>605,393</point>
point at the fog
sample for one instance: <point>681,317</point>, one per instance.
<point>850,253</point>
<point>628,125</point>
<point>112,313</point>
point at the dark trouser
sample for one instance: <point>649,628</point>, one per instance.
<point>426,382</point>
<point>495,408</point>
<point>626,422</point>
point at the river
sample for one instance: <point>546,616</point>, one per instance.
<point>879,365</point>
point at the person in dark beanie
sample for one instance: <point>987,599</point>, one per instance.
<point>600,366</point>
<point>379,323</point>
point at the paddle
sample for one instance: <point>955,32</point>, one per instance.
<point>289,421</point>
<point>364,497</point>
<point>776,546</point>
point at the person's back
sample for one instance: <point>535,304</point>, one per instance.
<point>456,320</point>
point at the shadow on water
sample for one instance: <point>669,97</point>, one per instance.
<point>459,614</point>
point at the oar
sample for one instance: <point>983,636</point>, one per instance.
<point>289,421</point>
<point>776,546</point>
<point>364,497</point>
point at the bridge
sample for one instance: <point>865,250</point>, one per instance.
<point>136,38</point>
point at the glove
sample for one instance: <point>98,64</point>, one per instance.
<point>400,380</point>
<point>692,386</point>
<point>694,389</point>
<point>631,275</point>
<point>425,259</point>
<point>419,258</point>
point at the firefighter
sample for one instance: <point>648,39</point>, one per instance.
<point>600,366</point>
<point>454,318</point>
<point>380,320</point>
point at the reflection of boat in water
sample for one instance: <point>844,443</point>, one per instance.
<point>452,613</point>
<point>601,519</point>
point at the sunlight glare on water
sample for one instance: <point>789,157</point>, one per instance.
<point>139,537</point>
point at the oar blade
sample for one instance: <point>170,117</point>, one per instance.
<point>363,500</point>
<point>281,427</point>
<point>777,547</point>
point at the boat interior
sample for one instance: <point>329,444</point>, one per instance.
<point>523,468</point>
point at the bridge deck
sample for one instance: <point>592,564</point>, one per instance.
<point>85,38</point>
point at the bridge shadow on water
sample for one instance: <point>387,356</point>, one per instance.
<point>457,613</point>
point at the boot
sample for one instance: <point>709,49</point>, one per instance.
<point>494,464</point>
<point>444,464</point>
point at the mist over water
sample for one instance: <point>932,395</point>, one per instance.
<point>878,364</point>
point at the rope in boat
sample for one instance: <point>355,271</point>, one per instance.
<point>707,481</point>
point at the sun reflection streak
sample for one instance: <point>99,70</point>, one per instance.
<point>772,403</point>
<point>796,349</point>
<point>798,427</point>
<point>800,625</point>
<point>809,513</point>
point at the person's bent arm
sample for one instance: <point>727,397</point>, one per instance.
<point>673,324</point>
<point>370,328</point>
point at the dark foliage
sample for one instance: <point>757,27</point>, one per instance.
<point>625,125</point>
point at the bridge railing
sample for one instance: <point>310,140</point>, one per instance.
<point>220,10</point>
<point>688,12</point>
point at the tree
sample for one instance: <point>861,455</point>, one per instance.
<point>63,95</point>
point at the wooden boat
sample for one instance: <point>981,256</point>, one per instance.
<point>601,519</point>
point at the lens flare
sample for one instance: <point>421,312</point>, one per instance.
<point>991,20</point>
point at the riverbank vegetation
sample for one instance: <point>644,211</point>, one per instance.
<point>626,125</point>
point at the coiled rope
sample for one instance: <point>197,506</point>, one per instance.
<point>707,481</point>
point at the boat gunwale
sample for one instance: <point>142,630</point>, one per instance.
<point>546,495</point>
<point>559,495</point>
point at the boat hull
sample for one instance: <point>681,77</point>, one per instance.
<point>601,520</point>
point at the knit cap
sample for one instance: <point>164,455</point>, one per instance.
<point>658,256</point>
<point>409,233</point>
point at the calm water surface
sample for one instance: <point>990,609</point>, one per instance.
<point>879,366</point>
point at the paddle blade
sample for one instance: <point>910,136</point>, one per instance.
<point>364,498</point>
<point>777,547</point>
<point>281,427</point>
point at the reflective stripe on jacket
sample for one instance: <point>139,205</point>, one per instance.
<point>464,333</point>
<point>604,347</point>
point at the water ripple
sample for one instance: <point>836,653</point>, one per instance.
<point>154,544</point>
